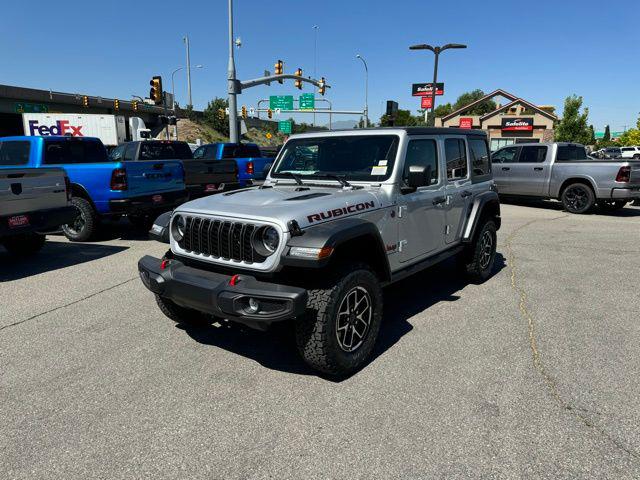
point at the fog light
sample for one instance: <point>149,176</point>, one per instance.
<point>253,307</point>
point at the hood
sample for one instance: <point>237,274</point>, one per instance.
<point>281,204</point>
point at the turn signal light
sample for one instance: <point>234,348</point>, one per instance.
<point>119,179</point>
<point>249,168</point>
<point>624,174</point>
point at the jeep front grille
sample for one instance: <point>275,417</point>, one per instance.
<point>221,239</point>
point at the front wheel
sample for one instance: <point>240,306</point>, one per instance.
<point>25,244</point>
<point>339,330</point>
<point>578,198</point>
<point>85,225</point>
<point>480,256</point>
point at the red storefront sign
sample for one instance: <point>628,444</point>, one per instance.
<point>426,102</point>
<point>466,122</point>
<point>517,124</point>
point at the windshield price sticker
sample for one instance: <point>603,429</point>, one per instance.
<point>379,170</point>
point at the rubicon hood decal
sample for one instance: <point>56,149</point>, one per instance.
<point>338,212</point>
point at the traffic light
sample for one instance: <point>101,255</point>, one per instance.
<point>279,68</point>
<point>155,93</point>
<point>270,113</point>
<point>85,101</point>
<point>221,113</point>
<point>322,87</point>
<point>244,111</point>
<point>116,104</point>
<point>134,105</point>
<point>298,83</point>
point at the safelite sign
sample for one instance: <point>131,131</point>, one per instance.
<point>466,122</point>
<point>517,124</point>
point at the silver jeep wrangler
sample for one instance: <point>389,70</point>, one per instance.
<point>340,216</point>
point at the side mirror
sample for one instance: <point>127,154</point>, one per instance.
<point>419,176</point>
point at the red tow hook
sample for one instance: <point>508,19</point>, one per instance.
<point>234,280</point>
<point>164,263</point>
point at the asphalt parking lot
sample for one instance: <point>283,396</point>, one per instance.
<point>533,374</point>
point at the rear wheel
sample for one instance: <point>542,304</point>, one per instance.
<point>339,330</point>
<point>479,258</point>
<point>578,198</point>
<point>85,225</point>
<point>611,205</point>
<point>25,244</point>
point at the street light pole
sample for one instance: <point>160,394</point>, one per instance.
<point>437,51</point>
<point>173,93</point>
<point>231,77</point>
<point>315,61</point>
<point>186,41</point>
<point>366,91</point>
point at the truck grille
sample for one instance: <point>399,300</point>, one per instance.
<point>220,239</point>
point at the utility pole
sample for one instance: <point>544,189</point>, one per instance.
<point>186,41</point>
<point>231,77</point>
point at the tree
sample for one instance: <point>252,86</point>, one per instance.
<point>607,134</point>
<point>572,127</point>
<point>214,119</point>
<point>403,118</point>
<point>592,135</point>
<point>470,97</point>
<point>632,136</point>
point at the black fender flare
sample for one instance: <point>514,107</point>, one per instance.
<point>483,203</point>
<point>333,234</point>
<point>160,229</point>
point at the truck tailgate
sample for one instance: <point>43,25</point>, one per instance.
<point>30,189</point>
<point>148,177</point>
<point>202,172</point>
<point>635,173</point>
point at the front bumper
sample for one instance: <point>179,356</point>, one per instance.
<point>148,203</point>
<point>626,193</point>
<point>39,221</point>
<point>214,293</point>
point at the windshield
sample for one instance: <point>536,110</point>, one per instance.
<point>353,157</point>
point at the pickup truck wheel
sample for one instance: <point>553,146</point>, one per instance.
<point>479,259</point>
<point>24,245</point>
<point>142,222</point>
<point>611,205</point>
<point>85,225</point>
<point>337,334</point>
<point>178,314</point>
<point>578,198</point>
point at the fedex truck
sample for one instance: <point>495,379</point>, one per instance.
<point>111,129</point>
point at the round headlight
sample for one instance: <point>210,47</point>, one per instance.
<point>179,226</point>
<point>270,239</point>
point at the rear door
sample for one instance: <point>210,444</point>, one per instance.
<point>458,183</point>
<point>529,175</point>
<point>502,161</point>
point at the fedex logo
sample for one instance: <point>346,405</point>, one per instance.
<point>61,127</point>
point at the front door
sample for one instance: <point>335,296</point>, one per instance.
<point>457,189</point>
<point>502,161</point>
<point>421,212</point>
<point>528,176</point>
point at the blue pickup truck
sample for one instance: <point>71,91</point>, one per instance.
<point>102,188</point>
<point>252,166</point>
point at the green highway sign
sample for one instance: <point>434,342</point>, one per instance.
<point>307,101</point>
<point>284,126</point>
<point>283,102</point>
<point>31,108</point>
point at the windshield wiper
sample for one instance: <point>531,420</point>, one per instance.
<point>332,176</point>
<point>297,178</point>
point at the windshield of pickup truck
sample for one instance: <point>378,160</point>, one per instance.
<point>352,157</point>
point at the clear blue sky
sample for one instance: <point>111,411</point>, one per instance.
<point>541,51</point>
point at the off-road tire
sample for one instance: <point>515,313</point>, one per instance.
<point>178,314</point>
<point>588,198</point>
<point>25,244</point>
<point>89,219</point>
<point>474,259</point>
<point>142,222</point>
<point>611,205</point>
<point>316,332</point>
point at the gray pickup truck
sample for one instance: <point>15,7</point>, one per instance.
<point>32,201</point>
<point>565,172</point>
<point>340,216</point>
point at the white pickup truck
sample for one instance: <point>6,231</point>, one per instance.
<point>32,201</point>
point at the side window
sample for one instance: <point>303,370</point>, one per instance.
<point>117,153</point>
<point>456,156</point>
<point>199,153</point>
<point>14,153</point>
<point>422,153</point>
<point>129,152</point>
<point>211,152</point>
<point>567,153</point>
<point>506,155</point>
<point>480,164</point>
<point>533,154</point>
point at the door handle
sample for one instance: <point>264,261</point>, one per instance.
<point>504,169</point>
<point>466,193</point>
<point>439,200</point>
<point>539,169</point>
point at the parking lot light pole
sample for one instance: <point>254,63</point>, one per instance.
<point>436,51</point>
<point>366,91</point>
<point>173,94</point>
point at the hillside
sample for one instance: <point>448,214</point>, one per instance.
<point>190,131</point>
